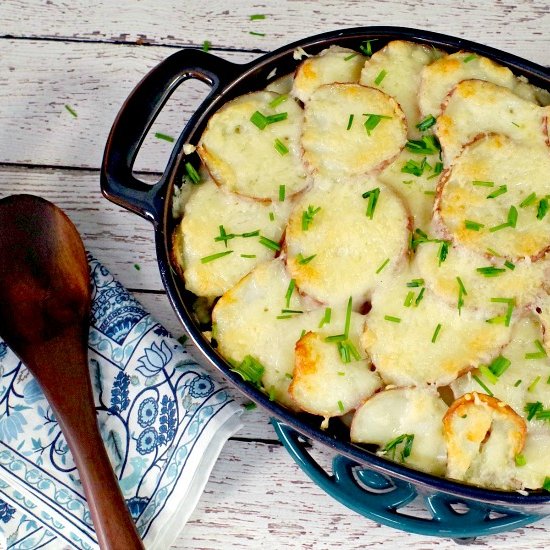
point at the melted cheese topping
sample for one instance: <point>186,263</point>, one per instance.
<point>281,85</point>
<point>225,147</point>
<point>440,77</point>
<point>412,411</point>
<point>349,247</point>
<point>523,170</point>
<point>322,383</point>
<point>334,64</point>
<point>475,107</point>
<point>328,144</point>
<point>210,208</point>
<point>402,63</point>
<point>483,437</point>
<point>463,341</point>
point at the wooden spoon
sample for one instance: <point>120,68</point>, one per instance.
<point>44,316</point>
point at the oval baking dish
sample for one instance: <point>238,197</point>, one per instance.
<point>154,203</point>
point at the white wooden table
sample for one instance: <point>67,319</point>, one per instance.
<point>89,55</point>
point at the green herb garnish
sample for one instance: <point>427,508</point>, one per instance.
<point>474,226</point>
<point>366,47</point>
<point>510,303</point>
<point>206,46</point>
<point>71,111</point>
<point>282,192</point>
<point>341,406</point>
<point>381,75</point>
<point>532,409</point>
<point>520,460</point>
<point>483,386</point>
<point>530,199</point>
<point>539,354</point>
<point>250,406</point>
<point>461,293</point>
<point>392,319</point>
<point>428,122</point>
<point>428,145</point>
<point>511,222</point>
<point>303,261</point>
<point>268,243</point>
<point>436,332</point>
<point>192,173</point>
<point>490,271</point>
<point>415,283</point>
<point>213,257</point>
<point>469,58</point>
<point>253,33</point>
<point>498,191</point>
<point>278,100</point>
<point>372,195</point>
<point>350,56</point>
<point>289,291</point>
<point>164,137</point>
<point>256,16</point>
<point>483,183</point>
<point>326,317</point>
<point>420,296</point>
<point>509,265</point>
<point>249,369</point>
<point>372,121</point>
<point>404,440</point>
<point>533,385</point>
<point>350,122</point>
<point>261,121</point>
<point>281,148</point>
<point>383,265</point>
<point>542,208</point>
<point>408,299</point>
<point>415,168</point>
<point>442,252</point>
<point>308,215</point>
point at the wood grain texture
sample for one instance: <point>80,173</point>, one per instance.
<point>90,55</point>
<point>512,26</point>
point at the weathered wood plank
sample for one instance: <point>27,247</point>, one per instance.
<point>512,26</point>
<point>94,80</point>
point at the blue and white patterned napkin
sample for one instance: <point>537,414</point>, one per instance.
<point>163,419</point>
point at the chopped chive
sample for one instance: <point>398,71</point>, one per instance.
<point>392,318</point>
<point>391,446</point>
<point>137,267</point>
<point>350,122</point>
<point>249,369</point>
<point>308,215</point>
<point>420,296</point>
<point>486,372</point>
<point>261,121</point>
<point>326,317</point>
<point>372,121</point>
<point>281,148</point>
<point>428,122</point>
<point>530,199</point>
<point>192,173</point>
<point>513,216</point>
<point>493,252</point>
<point>436,333</point>
<point>499,365</point>
<point>533,384</point>
<point>415,168</point>
<point>415,283</point>
<point>381,75</point>
<point>250,234</point>
<point>490,271</point>
<point>542,208</point>
<point>474,226</point>
<point>206,46</point>
<point>348,317</point>
<point>248,255</point>
<point>469,58</point>
<point>438,168</point>
<point>268,243</point>
<point>165,137</point>
<point>340,373</point>
<point>336,338</point>
<point>372,195</point>
<point>510,303</point>
<point>294,311</point>
<point>224,236</point>
<point>515,124</point>
<point>539,354</point>
<point>341,406</point>
<point>461,293</point>
<point>278,100</point>
<point>71,111</point>
<point>366,47</point>
<point>289,291</point>
<point>346,351</point>
<point>548,380</point>
<point>532,409</point>
<point>249,406</point>
<point>483,183</point>
<point>407,182</point>
<point>303,261</point>
<point>256,16</point>
<point>510,265</point>
<point>213,257</point>
<point>257,33</point>
<point>289,376</point>
<point>282,192</point>
<point>272,393</point>
<point>520,460</point>
<point>350,56</point>
<point>303,333</point>
<point>442,252</point>
<point>408,299</point>
<point>271,216</point>
<point>497,192</point>
<point>428,145</point>
<point>383,265</point>
<point>485,388</point>
<point>517,383</point>
<point>429,193</point>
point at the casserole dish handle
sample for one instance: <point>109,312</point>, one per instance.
<point>379,497</point>
<point>118,183</point>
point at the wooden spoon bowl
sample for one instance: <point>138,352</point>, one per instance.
<point>44,318</point>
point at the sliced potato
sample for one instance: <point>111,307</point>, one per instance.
<point>420,353</point>
<point>492,164</point>
<point>439,78</point>
<point>243,158</point>
<point>521,281</point>
<point>396,70</point>
<point>524,380</point>
<point>347,246</point>
<point>206,211</point>
<point>475,108</point>
<point>404,411</point>
<point>536,469</point>
<point>483,436</point>
<point>329,146</point>
<point>281,85</point>
<point>335,64</point>
<point>329,378</point>
<point>249,320</point>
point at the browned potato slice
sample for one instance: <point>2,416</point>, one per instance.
<point>396,70</point>
<point>497,165</point>
<point>345,245</point>
<point>404,411</point>
<point>253,161</point>
<point>439,78</point>
<point>407,347</point>
<point>330,147</point>
<point>335,64</point>
<point>483,436</point>
<point>475,107</point>
<point>329,378</point>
